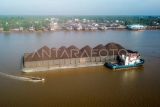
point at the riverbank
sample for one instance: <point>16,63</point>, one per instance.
<point>40,31</point>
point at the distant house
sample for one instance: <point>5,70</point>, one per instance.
<point>78,26</point>
<point>122,27</point>
<point>76,20</point>
<point>31,29</point>
<point>21,28</point>
<point>51,58</point>
<point>102,28</point>
<point>53,26</point>
<point>1,29</point>
<point>95,24</point>
<point>44,29</point>
<point>69,28</point>
<point>15,30</point>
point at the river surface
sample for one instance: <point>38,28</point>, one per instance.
<point>81,87</point>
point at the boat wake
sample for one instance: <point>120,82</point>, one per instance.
<point>30,79</point>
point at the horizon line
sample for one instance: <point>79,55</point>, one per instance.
<point>68,15</point>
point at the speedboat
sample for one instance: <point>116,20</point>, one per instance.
<point>37,79</point>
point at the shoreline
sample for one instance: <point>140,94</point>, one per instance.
<point>40,31</point>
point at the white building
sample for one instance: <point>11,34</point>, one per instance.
<point>136,27</point>
<point>31,28</point>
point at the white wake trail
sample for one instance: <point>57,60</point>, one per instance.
<point>31,79</point>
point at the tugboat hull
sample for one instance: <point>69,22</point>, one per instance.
<point>117,66</point>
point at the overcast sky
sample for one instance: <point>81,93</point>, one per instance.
<point>80,7</point>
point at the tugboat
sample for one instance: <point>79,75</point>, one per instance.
<point>130,60</point>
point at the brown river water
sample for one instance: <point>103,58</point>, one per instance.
<point>81,87</point>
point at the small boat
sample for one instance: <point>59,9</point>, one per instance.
<point>122,66</point>
<point>130,60</point>
<point>37,79</point>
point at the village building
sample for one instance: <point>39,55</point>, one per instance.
<point>1,29</point>
<point>31,29</point>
